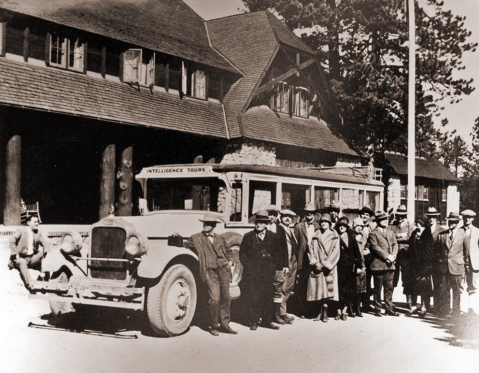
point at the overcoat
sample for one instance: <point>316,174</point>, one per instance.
<point>451,256</point>
<point>323,282</point>
<point>19,242</point>
<point>381,246</point>
<point>474,248</point>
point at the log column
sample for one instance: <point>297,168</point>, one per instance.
<point>125,176</point>
<point>107,187</point>
<point>13,168</point>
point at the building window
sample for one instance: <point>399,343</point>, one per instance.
<point>132,60</point>
<point>76,55</point>
<point>67,53</point>
<point>284,94</point>
<point>444,195</point>
<point>415,193</point>
<point>198,84</point>
<point>403,192</point>
<point>425,195</point>
<point>58,51</point>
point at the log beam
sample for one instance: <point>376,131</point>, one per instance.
<point>107,187</point>
<point>13,162</point>
<point>286,75</point>
<point>125,176</point>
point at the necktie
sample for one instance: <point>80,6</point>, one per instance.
<point>261,235</point>
<point>451,236</point>
<point>210,237</point>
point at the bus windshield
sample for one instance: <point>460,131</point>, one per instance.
<point>204,194</point>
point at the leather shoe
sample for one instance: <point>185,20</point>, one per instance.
<point>287,319</point>
<point>391,313</point>
<point>214,332</point>
<point>378,314</point>
<point>279,320</point>
<point>344,317</point>
<point>337,317</point>
<point>270,325</point>
<point>253,326</point>
<point>228,330</point>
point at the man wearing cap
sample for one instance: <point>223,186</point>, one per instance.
<point>215,257</point>
<point>289,273</point>
<point>403,230</point>
<point>384,248</point>
<point>367,214</point>
<point>472,232</point>
<point>304,231</point>
<point>451,257</point>
<point>273,213</point>
<point>259,256</point>
<point>334,210</point>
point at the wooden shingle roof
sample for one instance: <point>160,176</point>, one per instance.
<point>260,123</point>
<point>58,91</point>
<point>427,167</point>
<point>171,27</point>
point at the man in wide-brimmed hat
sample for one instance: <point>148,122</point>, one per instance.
<point>304,232</point>
<point>260,258</point>
<point>289,247</point>
<point>451,257</point>
<point>403,230</point>
<point>432,214</point>
<point>367,214</point>
<point>215,257</point>
<point>384,248</point>
<point>472,232</point>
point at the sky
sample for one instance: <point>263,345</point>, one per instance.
<point>461,115</point>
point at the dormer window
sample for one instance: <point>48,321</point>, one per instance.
<point>66,53</point>
<point>292,100</point>
<point>132,59</point>
<point>198,84</point>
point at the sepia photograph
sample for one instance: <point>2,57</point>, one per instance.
<point>239,186</point>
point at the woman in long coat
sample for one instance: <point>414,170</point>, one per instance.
<point>421,245</point>
<point>323,258</point>
<point>350,259</point>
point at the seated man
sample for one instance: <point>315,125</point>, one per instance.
<point>27,246</point>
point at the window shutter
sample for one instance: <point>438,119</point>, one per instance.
<point>85,57</point>
<point>132,66</point>
<point>26,37</point>
<point>48,42</point>
<point>122,58</point>
<point>184,79</point>
<point>103,62</point>
<point>291,99</point>
<point>3,38</point>
<point>150,71</point>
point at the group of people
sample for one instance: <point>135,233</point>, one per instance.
<point>323,265</point>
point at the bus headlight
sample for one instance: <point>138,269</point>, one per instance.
<point>136,244</point>
<point>71,242</point>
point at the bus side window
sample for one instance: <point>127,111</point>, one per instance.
<point>236,201</point>
<point>261,193</point>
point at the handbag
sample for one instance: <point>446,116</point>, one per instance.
<point>175,240</point>
<point>361,286</point>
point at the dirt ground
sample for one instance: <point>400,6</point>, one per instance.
<point>119,341</point>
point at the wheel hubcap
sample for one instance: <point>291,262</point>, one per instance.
<point>178,300</point>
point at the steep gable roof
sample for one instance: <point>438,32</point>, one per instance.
<point>171,27</point>
<point>251,42</point>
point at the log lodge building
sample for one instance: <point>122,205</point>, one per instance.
<point>88,84</point>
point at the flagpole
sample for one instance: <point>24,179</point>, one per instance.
<point>411,137</point>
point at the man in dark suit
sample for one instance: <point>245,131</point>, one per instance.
<point>289,274</point>
<point>261,259</point>
<point>451,256</point>
<point>435,228</point>
<point>304,232</point>
<point>27,247</point>
<point>384,248</point>
<point>215,271</point>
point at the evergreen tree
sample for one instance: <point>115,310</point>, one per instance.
<point>363,45</point>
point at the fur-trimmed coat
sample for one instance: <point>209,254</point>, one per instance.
<point>323,259</point>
